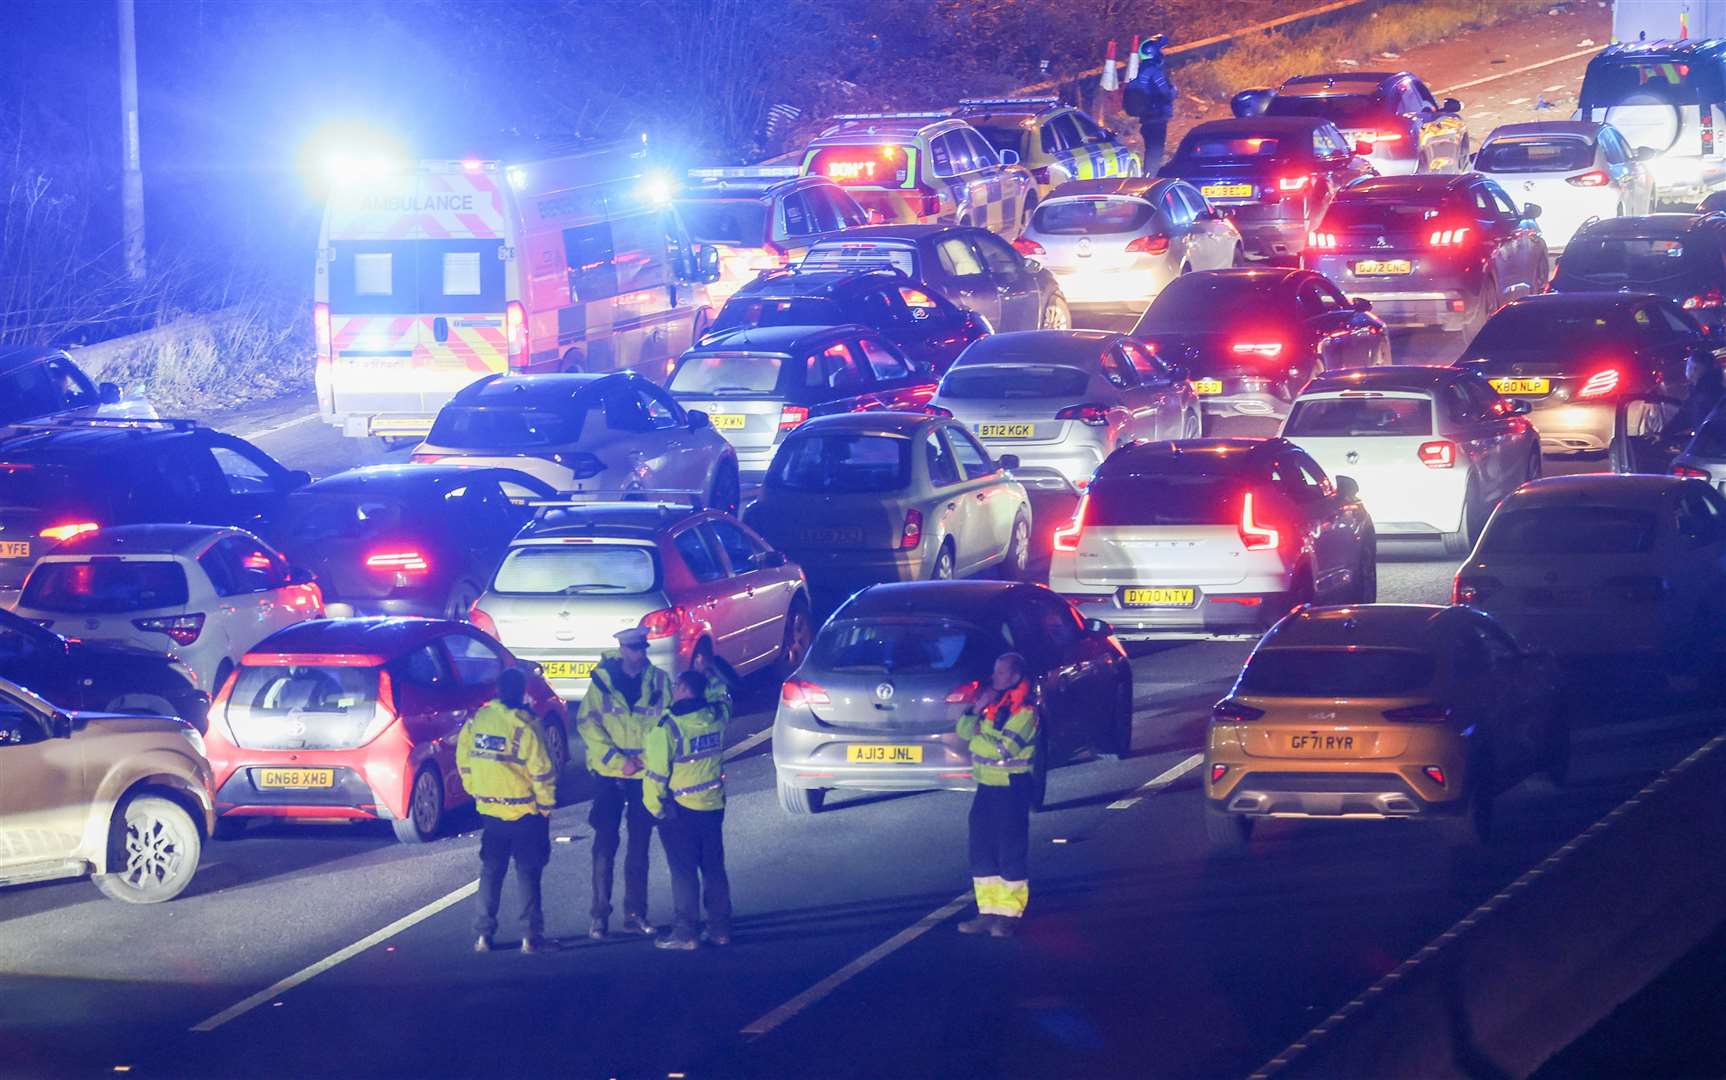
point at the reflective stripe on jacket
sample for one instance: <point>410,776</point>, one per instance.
<point>609,727</point>
<point>504,764</point>
<point>1002,737</point>
<point>685,760</point>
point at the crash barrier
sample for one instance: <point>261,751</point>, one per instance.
<point>104,359</point>
<point>1534,968</point>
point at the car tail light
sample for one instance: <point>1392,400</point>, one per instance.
<point>1150,244</point>
<point>911,534</point>
<point>1707,131</point>
<point>1434,773</point>
<point>426,459</point>
<point>1293,185</point>
<point>1067,536</point>
<point>68,530</point>
<point>1230,711</point>
<point>1255,535</point>
<point>321,330</point>
<point>482,621</point>
<point>181,629</point>
<point>963,692</point>
<point>1473,588</point>
<point>1591,178</point>
<point>1430,712</point>
<point>1599,384</point>
<point>1710,299</point>
<point>1449,238</point>
<point>1438,454</point>
<point>1691,472</point>
<point>1024,245</point>
<point>515,327</point>
<point>1091,415</point>
<point>1322,241</point>
<point>400,563</point>
<point>1638,588</point>
<point>790,416</point>
<point>383,710</point>
<point>1218,771</point>
<point>1386,136</point>
<point>581,465</point>
<point>1268,350</point>
<point>803,693</point>
<point>938,410</point>
<point>664,623</point>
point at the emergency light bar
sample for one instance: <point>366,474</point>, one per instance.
<point>1042,102</point>
<point>894,116</point>
<point>746,172</point>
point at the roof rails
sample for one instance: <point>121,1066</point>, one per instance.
<point>121,423</point>
<point>1041,102</point>
<point>942,115</point>
<point>667,500</point>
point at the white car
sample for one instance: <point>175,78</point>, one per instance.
<point>585,434</point>
<point>202,594</point>
<point>1605,564</point>
<point>1113,244</point>
<point>1575,171</point>
<point>1433,449</point>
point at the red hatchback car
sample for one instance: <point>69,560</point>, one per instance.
<point>356,719</point>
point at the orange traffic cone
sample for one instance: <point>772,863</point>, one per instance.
<point>1683,25</point>
<point>1110,82</point>
<point>1133,60</point>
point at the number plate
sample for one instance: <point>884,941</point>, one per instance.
<point>1227,191</point>
<point>15,549</point>
<point>1207,386</point>
<point>294,779</point>
<point>872,754</point>
<point>1315,743</point>
<point>1522,386</point>
<point>727,421</point>
<point>1006,431</point>
<point>851,536</point>
<point>1160,596</point>
<point>1382,267</point>
<point>568,669</point>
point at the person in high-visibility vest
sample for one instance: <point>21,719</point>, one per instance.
<point>1000,729</point>
<point>685,789</point>
<point>624,702</point>
<point>504,766</point>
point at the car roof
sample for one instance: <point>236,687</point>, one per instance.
<point>1328,78</point>
<point>1653,224</point>
<point>1393,626</point>
<point>403,479</point>
<point>66,441</point>
<point>1253,273</point>
<point>869,423</point>
<point>1134,187</point>
<point>1620,489</point>
<point>746,188</point>
<point>1581,301</point>
<point>1038,347</point>
<point>188,540</point>
<point>510,389</point>
<point>1631,50</point>
<point>791,282</point>
<point>1588,129</point>
<point>638,520</point>
<point>1391,377</point>
<point>13,357</point>
<point>893,125</point>
<point>1417,184</point>
<point>970,108</point>
<point>908,233</point>
<point>1258,125</point>
<point>383,637</point>
<point>932,597</point>
<point>775,339</point>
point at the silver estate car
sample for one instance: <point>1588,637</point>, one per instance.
<point>1213,537</point>
<point>695,580</point>
<point>1065,399</point>
<point>875,705</point>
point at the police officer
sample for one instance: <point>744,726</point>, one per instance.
<point>1000,729</point>
<point>685,789</point>
<point>624,702</point>
<point>513,781</point>
<point>1150,98</point>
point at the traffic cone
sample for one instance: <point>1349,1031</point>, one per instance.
<point>1110,82</point>
<point>1133,60</point>
<point>1683,25</point>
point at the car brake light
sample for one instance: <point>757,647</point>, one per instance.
<point>1067,536</point>
<point>1599,384</point>
<point>1090,415</point>
<point>1438,454</point>
<point>963,692</point>
<point>1230,711</point>
<point>1429,713</point>
<point>515,329</point>
<point>790,416</point>
<point>664,623</point>
<point>1710,299</point>
<point>1294,183</point>
<point>1690,472</point>
<point>1434,773</point>
<point>1269,350</point>
<point>1150,244</point>
<point>1707,131</point>
<point>1473,588</point>
<point>912,534</point>
<point>1591,178</point>
<point>938,410</point>
<point>181,629</point>
<point>321,329</point>
<point>68,530</point>
<point>1386,136</point>
<point>1024,245</point>
<point>398,562</point>
<point>1449,238</point>
<point>383,709</point>
<point>1256,536</point>
<point>426,459</point>
<point>1323,241</point>
<point>802,692</point>
<point>481,620</point>
<point>1218,771</point>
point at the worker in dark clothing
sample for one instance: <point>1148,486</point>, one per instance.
<point>1707,389</point>
<point>1150,99</point>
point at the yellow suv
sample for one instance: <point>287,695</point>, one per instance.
<point>1380,711</point>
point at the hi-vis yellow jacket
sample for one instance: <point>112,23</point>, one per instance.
<point>504,765</point>
<point>685,760</point>
<point>610,728</point>
<point>1002,737</point>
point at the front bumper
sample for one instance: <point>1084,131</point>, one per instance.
<point>808,754</point>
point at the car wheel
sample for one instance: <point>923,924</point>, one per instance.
<point>155,846</point>
<point>1366,577</point>
<point>556,742</point>
<point>140,705</point>
<point>1226,833</point>
<point>799,635</point>
<point>800,802</point>
<point>425,809</point>
<point>1120,726</point>
<point>461,601</point>
<point>1193,425</point>
<point>1056,315</point>
<point>943,568</point>
<point>726,490</point>
<point>1040,772</point>
<point>1302,592</point>
<point>1461,542</point>
<point>1535,466</point>
<point>1017,565</point>
<point>1472,825</point>
<point>1240,258</point>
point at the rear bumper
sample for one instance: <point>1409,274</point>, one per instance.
<point>670,655</point>
<point>1332,795</point>
<point>841,571</point>
<point>349,606</point>
<point>1414,506</point>
<point>1684,175</point>
<point>809,755</point>
<point>1566,427</point>
<point>1126,288</point>
<point>1264,409</point>
<point>1218,614</point>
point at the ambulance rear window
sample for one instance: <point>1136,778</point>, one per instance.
<point>411,277</point>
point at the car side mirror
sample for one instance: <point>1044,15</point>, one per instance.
<point>709,264</point>
<point>1098,626</point>
<point>1360,303</point>
<point>1364,149</point>
<point>299,575</point>
<point>699,420</point>
<point>1531,211</point>
<point>61,725</point>
<point>297,478</point>
<point>1009,157</point>
<point>770,560</point>
<point>1451,105</point>
<point>1646,153</point>
<point>1347,489</point>
<point>108,393</point>
<point>1251,102</point>
<point>1008,461</point>
<point>1211,214</point>
<point>1519,407</point>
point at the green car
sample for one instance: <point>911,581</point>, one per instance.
<point>864,498</point>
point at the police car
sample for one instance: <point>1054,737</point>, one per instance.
<point>762,218</point>
<point>1057,142</point>
<point>923,168</point>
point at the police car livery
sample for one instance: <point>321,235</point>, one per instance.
<point>923,168</point>
<point>1057,142</point>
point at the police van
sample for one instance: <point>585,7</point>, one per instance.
<point>434,275</point>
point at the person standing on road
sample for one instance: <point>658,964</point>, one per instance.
<point>624,701</point>
<point>1707,389</point>
<point>685,789</point>
<point>513,781</point>
<point>1150,98</point>
<point>1000,729</point>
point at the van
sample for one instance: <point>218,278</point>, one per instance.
<point>436,275</point>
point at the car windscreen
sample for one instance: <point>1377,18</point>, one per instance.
<point>1359,416</point>
<point>1192,496</point>
<point>1213,148</point>
<point>1091,217</point>
<point>597,569</point>
<point>319,515</point>
<point>1570,530</point>
<point>901,647</point>
<point>741,222</point>
<point>488,427</point>
<point>742,312</point>
<point>1337,673</point>
<point>753,373</point>
<point>842,462</point>
<point>303,706</point>
<point>1568,340</point>
<point>1006,382</point>
<point>1002,134</point>
<point>1344,110</point>
<point>1619,259</point>
<point>1203,302</point>
<point>1648,80</point>
<point>105,586</point>
<point>1534,155</point>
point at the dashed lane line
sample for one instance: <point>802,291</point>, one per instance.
<point>1159,782</point>
<point>745,745</point>
<point>253,436</point>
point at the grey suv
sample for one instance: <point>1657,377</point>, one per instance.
<point>1669,96</point>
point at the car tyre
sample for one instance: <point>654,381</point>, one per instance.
<point>1227,834</point>
<point>157,846</point>
<point>1472,826</point>
<point>425,809</point>
<point>1056,315</point>
<point>1240,257</point>
<point>1366,576</point>
<point>1193,425</point>
<point>556,741</point>
<point>800,802</point>
<point>799,636</point>
<point>727,491</point>
<point>1017,565</point>
<point>944,563</point>
<point>1120,730</point>
<point>1461,542</point>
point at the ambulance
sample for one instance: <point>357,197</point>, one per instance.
<point>436,274</point>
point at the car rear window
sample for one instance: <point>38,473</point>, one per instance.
<point>577,570</point>
<point>1647,81</point>
<point>1196,302</point>
<point>1386,210</point>
<point>1004,382</point>
<point>1204,146</point>
<point>1331,673</point>
<point>25,484</point>
<point>1091,217</point>
<point>105,585</point>
<point>1355,416</point>
<point>740,312</point>
<point>1200,498</point>
<point>1570,530</point>
<point>852,255</point>
<point>1570,339</point>
<point>302,706</point>
<point>756,373</point>
<point>884,165</point>
<point>1345,110</point>
<point>490,427</point>
<point>1621,259</point>
<point>1534,155</point>
<point>836,463</point>
<point>316,515</point>
<point>901,647</point>
<point>741,222</point>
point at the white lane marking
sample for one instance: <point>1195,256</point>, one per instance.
<point>253,436</point>
<point>1517,101</point>
<point>1590,51</point>
<point>748,744</point>
<point>1550,89</point>
<point>312,971</point>
<point>1160,781</point>
<point>856,967</point>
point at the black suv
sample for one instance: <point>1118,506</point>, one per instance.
<point>97,676</point>
<point>66,476</point>
<point>912,315</point>
<point>1679,256</point>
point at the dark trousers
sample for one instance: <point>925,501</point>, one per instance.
<point>1001,830</point>
<point>695,850</point>
<point>1156,135</point>
<point>528,842</point>
<point>614,800</point>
